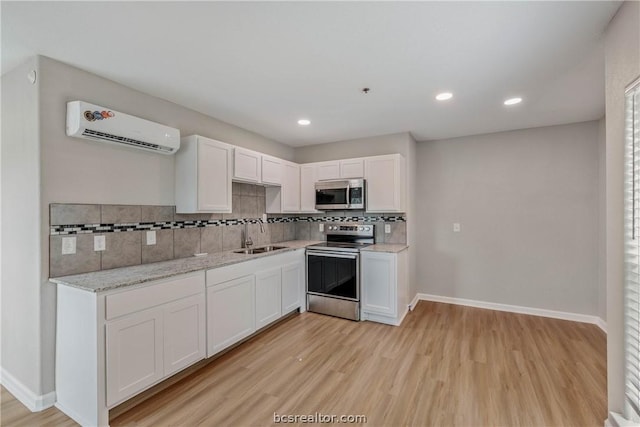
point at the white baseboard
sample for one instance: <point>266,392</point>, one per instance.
<point>414,302</point>
<point>32,401</point>
<point>575,317</point>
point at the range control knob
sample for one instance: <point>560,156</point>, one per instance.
<point>360,228</point>
<point>367,228</point>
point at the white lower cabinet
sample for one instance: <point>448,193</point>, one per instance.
<point>384,286</point>
<point>268,296</point>
<point>184,333</point>
<point>239,304</point>
<point>230,313</point>
<point>292,286</point>
<point>134,354</point>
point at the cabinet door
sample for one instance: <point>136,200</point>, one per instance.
<point>268,296</point>
<point>214,176</point>
<point>352,168</point>
<point>328,170</point>
<point>247,165</point>
<point>308,178</point>
<point>134,354</point>
<point>379,283</point>
<point>272,170</point>
<point>184,333</point>
<point>230,313</point>
<point>385,183</point>
<point>291,188</point>
<point>292,285</point>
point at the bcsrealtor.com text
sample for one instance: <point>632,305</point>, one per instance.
<point>318,418</point>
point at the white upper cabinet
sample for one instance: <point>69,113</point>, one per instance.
<point>272,170</point>
<point>247,165</point>
<point>203,175</point>
<point>285,199</point>
<point>328,170</point>
<point>308,178</point>
<point>352,168</point>
<point>386,183</point>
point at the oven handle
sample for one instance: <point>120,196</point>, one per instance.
<point>332,254</point>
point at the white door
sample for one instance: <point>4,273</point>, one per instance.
<point>184,333</point>
<point>328,170</point>
<point>134,354</point>
<point>378,283</point>
<point>352,168</point>
<point>292,285</point>
<point>268,296</point>
<point>271,170</point>
<point>247,165</point>
<point>230,313</point>
<point>291,188</point>
<point>308,178</point>
<point>214,176</point>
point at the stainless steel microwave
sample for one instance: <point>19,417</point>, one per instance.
<point>340,194</point>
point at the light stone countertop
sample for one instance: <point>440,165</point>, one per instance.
<point>106,280</point>
<point>386,247</point>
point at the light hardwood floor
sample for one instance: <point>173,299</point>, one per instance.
<point>445,366</point>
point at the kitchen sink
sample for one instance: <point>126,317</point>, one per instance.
<point>259,250</point>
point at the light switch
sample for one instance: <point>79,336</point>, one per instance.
<point>151,237</point>
<point>456,227</point>
<point>320,227</point>
<point>99,243</point>
<point>387,228</point>
<point>68,245</point>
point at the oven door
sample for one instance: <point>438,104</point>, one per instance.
<point>333,274</point>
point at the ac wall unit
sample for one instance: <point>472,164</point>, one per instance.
<point>97,123</point>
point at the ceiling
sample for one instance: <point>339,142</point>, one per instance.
<point>264,65</point>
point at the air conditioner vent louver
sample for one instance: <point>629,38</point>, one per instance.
<point>101,124</point>
<point>123,140</point>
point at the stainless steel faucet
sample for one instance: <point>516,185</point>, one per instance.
<point>247,242</point>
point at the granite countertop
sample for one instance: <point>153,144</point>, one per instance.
<point>386,247</point>
<point>105,280</point>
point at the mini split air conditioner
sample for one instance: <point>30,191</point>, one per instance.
<point>90,121</point>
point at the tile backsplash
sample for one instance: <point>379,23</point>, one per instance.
<point>181,235</point>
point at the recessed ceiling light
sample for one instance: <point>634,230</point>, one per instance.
<point>513,101</point>
<point>444,96</point>
<point>304,122</point>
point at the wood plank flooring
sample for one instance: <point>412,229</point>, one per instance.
<point>445,366</point>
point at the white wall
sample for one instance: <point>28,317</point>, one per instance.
<point>602,220</point>
<point>41,165</point>
<point>622,66</point>
<point>21,238</point>
<point>527,202</point>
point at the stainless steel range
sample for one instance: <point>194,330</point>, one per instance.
<point>333,270</point>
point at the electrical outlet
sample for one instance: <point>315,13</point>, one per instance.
<point>264,218</point>
<point>151,237</point>
<point>68,245</point>
<point>99,243</point>
<point>320,227</point>
<point>456,227</point>
<point>387,228</point>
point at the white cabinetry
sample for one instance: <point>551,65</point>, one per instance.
<point>231,313</point>
<point>272,170</point>
<point>238,304</point>
<point>247,165</point>
<point>134,354</point>
<point>338,169</point>
<point>268,296</point>
<point>293,288</point>
<point>285,199</point>
<point>308,178</point>
<point>386,183</point>
<point>203,175</point>
<point>114,344</point>
<point>384,286</point>
<point>352,168</point>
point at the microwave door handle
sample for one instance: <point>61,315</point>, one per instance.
<point>348,195</point>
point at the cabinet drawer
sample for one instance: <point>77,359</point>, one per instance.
<point>159,292</point>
